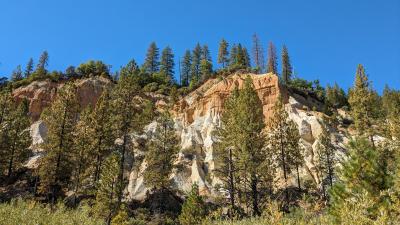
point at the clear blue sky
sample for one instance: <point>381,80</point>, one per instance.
<point>326,39</point>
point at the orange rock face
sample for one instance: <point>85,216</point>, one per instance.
<point>40,94</point>
<point>212,95</point>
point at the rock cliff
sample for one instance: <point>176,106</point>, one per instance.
<point>196,116</point>
<point>41,94</point>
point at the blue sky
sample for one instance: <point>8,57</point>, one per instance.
<point>326,39</point>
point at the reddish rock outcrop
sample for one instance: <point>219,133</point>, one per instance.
<point>41,94</point>
<point>213,94</point>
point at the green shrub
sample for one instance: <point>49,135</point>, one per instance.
<point>25,212</point>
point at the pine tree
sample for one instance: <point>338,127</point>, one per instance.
<point>286,66</point>
<point>258,54</point>
<point>161,153</point>
<point>223,55</point>
<point>81,151</point>
<point>186,68</point>
<point>107,201</point>
<point>272,63</point>
<point>391,108</point>
<point>17,74</point>
<point>326,158</point>
<point>205,69</point>
<point>196,61</point>
<point>56,166</point>
<point>246,55</point>
<point>205,53</point>
<point>226,152</point>
<point>14,137</point>
<point>125,120</point>
<point>363,172</point>
<point>152,64</point>
<point>363,102</point>
<point>101,135</point>
<point>252,140</point>
<point>205,64</point>
<point>283,138</point>
<point>240,56</point>
<point>294,150</point>
<point>194,209</point>
<point>240,151</point>
<point>29,68</point>
<point>335,96</point>
<point>42,64</point>
<point>167,63</point>
<point>233,56</point>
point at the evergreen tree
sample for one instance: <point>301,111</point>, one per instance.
<point>194,209</point>
<point>283,138</point>
<point>125,120</point>
<point>161,153</point>
<point>205,69</point>
<point>17,74</point>
<point>205,53</point>
<point>14,137</point>
<point>131,69</point>
<point>391,108</point>
<point>286,66</point>
<point>56,166</point>
<point>42,64</point>
<point>101,135</point>
<point>151,64</point>
<point>246,55</point>
<point>335,96</point>
<point>186,68</point>
<point>71,73</point>
<point>258,54</point>
<point>363,172</point>
<point>272,64</point>
<point>295,151</point>
<point>252,140</point>
<point>326,158</point>
<point>196,61</point>
<point>240,151</point>
<point>223,55</point>
<point>29,68</point>
<point>81,152</point>
<point>240,56</point>
<point>167,63</point>
<point>226,152</point>
<point>363,102</point>
<point>233,56</point>
<point>107,201</point>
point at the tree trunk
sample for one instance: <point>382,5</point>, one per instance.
<point>298,177</point>
<point>231,184</point>
<point>254,191</point>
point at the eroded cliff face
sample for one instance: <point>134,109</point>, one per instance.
<point>41,94</point>
<point>198,115</point>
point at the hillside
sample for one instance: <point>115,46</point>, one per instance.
<point>196,116</point>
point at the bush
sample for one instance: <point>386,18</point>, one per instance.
<point>25,212</point>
